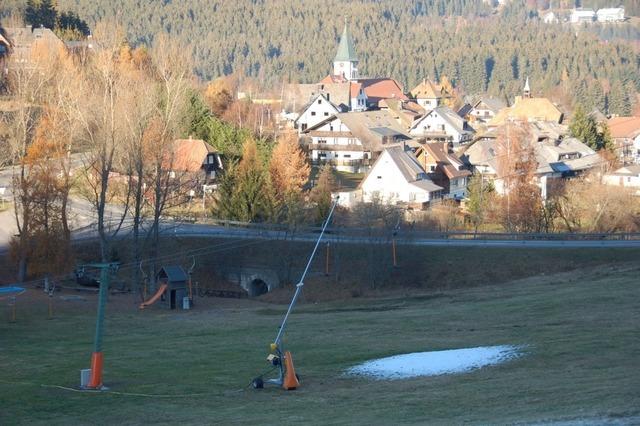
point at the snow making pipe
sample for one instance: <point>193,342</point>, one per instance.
<point>276,342</point>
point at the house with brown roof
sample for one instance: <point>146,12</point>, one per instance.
<point>405,112</point>
<point>625,132</point>
<point>351,141</point>
<point>528,109</point>
<point>397,178</point>
<point>444,168</point>
<point>195,159</point>
<point>28,44</point>
<point>427,94</point>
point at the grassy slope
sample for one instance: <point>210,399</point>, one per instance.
<point>580,330</point>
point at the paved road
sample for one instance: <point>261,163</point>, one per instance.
<point>199,230</point>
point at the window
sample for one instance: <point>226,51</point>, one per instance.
<point>432,168</point>
<point>326,114</point>
<point>319,101</point>
<point>346,156</point>
<point>322,141</point>
<point>322,155</point>
<point>379,177</point>
<point>313,113</point>
<point>304,126</point>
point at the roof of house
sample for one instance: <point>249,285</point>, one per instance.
<point>548,155</point>
<point>314,98</point>
<point>174,273</point>
<point>493,104</point>
<point>449,115</point>
<point>409,167</point>
<point>624,127</point>
<point>377,89</point>
<point>464,110</point>
<point>24,39</point>
<point>528,109</point>
<point>189,154</point>
<point>346,50</point>
<point>631,170</point>
<point>450,164</point>
<point>372,128</point>
<point>406,112</point>
<point>426,90</point>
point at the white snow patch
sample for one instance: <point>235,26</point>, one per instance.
<point>435,363</point>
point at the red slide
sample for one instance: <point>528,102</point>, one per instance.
<point>155,297</point>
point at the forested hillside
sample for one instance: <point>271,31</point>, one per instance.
<point>295,40</point>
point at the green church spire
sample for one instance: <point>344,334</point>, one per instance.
<point>346,51</point>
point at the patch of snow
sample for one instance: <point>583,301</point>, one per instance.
<point>435,363</point>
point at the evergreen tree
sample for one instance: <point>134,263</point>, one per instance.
<point>480,199</point>
<point>41,13</point>
<point>584,128</point>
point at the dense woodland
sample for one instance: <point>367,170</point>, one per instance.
<point>477,48</point>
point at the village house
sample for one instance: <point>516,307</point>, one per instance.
<point>427,94</point>
<point>195,160</point>
<point>625,132</point>
<point>528,108</point>
<point>582,15</point>
<point>405,112</point>
<point>28,43</point>
<point>351,141</point>
<point>442,124</point>
<point>444,168</point>
<point>627,177</point>
<point>610,14</point>
<point>485,109</point>
<point>554,158</point>
<point>397,178</point>
<point>317,110</point>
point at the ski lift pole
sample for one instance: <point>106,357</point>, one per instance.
<point>276,342</point>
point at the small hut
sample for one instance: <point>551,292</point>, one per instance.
<point>176,280</point>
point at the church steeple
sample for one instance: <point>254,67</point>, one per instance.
<point>345,63</point>
<point>527,89</point>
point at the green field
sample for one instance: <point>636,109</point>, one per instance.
<point>580,332</point>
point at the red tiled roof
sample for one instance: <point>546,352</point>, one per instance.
<point>355,89</point>
<point>189,154</point>
<point>377,89</point>
<point>624,127</point>
<point>334,79</point>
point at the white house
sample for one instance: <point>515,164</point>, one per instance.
<point>610,14</point>
<point>350,141</point>
<point>486,108</point>
<point>625,132</point>
<point>317,110</point>
<point>427,95</point>
<point>627,176</point>
<point>397,178</point>
<point>581,15</point>
<point>550,18</point>
<point>442,124</point>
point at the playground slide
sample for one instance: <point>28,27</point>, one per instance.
<point>155,297</point>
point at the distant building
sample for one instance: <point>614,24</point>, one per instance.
<point>351,141</point>
<point>627,176</point>
<point>442,124</point>
<point>427,95</point>
<point>625,132</point>
<point>345,63</point>
<point>317,110</point>
<point>528,108</point>
<point>550,18</point>
<point>581,15</point>
<point>610,14</point>
<point>397,178</point>
<point>444,168</point>
<point>28,43</point>
<point>195,159</point>
<point>486,109</point>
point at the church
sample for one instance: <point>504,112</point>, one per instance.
<point>343,90</point>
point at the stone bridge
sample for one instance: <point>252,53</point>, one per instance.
<point>255,280</point>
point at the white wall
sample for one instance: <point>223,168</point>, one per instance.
<point>386,184</point>
<point>434,123</point>
<point>319,110</point>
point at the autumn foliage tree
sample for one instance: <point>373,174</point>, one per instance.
<point>289,172</point>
